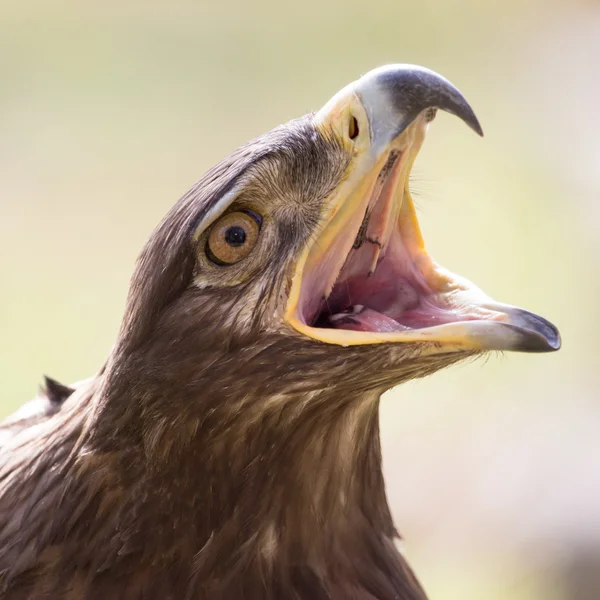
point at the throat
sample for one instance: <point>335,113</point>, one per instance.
<point>266,484</point>
<point>288,501</point>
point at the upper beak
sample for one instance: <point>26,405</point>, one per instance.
<point>370,238</point>
<point>395,95</point>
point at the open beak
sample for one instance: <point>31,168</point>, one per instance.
<point>366,278</point>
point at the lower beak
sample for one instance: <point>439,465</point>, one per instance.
<point>367,278</point>
<point>512,329</point>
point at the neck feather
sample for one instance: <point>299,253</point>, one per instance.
<point>273,496</point>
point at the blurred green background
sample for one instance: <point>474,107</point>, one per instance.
<point>109,111</point>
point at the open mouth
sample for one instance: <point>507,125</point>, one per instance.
<point>369,272</point>
<point>367,278</point>
<point>379,288</point>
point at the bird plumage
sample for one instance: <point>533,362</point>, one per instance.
<point>219,453</point>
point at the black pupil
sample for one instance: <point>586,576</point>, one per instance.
<point>235,236</point>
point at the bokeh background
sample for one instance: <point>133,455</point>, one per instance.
<point>110,110</point>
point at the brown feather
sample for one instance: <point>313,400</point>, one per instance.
<point>218,454</point>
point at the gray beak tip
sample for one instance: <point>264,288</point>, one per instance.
<point>476,126</point>
<point>394,96</point>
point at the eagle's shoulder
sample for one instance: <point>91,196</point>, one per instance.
<point>48,402</point>
<point>37,497</point>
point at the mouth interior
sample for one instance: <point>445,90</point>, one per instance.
<point>379,287</point>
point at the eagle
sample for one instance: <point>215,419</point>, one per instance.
<point>228,448</point>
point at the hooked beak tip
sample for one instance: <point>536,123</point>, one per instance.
<point>536,334</point>
<point>394,95</point>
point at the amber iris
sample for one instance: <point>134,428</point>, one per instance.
<point>232,238</point>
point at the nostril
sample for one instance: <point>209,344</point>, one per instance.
<point>353,128</point>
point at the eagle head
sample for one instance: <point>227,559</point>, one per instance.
<point>301,255</point>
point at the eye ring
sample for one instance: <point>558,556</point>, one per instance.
<point>232,237</point>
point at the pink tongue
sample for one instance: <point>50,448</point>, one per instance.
<point>366,320</point>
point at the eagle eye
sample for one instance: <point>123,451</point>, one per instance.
<point>232,237</point>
